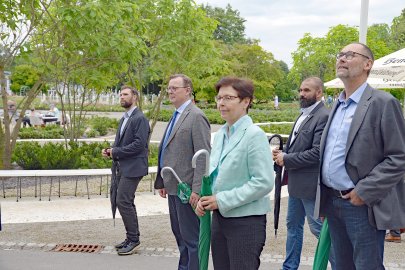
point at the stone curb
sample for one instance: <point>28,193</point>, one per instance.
<point>166,252</point>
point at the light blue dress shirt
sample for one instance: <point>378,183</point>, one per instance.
<point>334,172</point>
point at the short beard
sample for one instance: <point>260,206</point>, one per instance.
<point>126,105</point>
<point>306,102</point>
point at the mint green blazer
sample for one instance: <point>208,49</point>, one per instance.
<point>245,173</point>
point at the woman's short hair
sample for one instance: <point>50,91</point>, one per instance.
<point>244,87</point>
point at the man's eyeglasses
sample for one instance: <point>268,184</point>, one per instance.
<point>174,88</point>
<point>349,55</point>
<point>225,99</point>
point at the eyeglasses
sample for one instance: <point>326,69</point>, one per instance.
<point>225,99</point>
<point>174,88</point>
<point>349,55</point>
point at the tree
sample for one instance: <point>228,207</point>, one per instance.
<point>88,43</point>
<point>18,20</point>
<point>231,26</point>
<point>379,40</point>
<point>179,40</point>
<point>284,88</point>
<point>253,62</point>
<point>23,76</point>
<point>316,56</point>
<point>398,31</point>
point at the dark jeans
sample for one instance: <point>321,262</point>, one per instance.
<point>237,242</point>
<point>357,244</point>
<point>126,206</point>
<point>186,229</point>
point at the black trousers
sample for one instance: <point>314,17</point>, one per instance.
<point>237,243</point>
<point>126,206</point>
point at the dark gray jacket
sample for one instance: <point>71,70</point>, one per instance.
<point>131,149</point>
<point>375,158</point>
<point>301,158</point>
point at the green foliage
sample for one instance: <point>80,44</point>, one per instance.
<point>231,26</point>
<point>278,128</point>
<point>47,132</point>
<point>246,61</point>
<point>32,155</point>
<point>16,19</point>
<point>213,116</point>
<point>153,154</point>
<point>23,75</point>
<point>97,126</point>
<point>378,39</point>
<point>316,56</point>
<point>26,155</point>
<point>89,155</point>
<point>398,93</point>
<point>398,31</point>
<point>287,113</point>
<point>102,124</point>
<point>262,116</point>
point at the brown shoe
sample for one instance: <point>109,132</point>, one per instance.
<point>402,230</point>
<point>390,238</point>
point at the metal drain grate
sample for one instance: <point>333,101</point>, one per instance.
<point>78,248</point>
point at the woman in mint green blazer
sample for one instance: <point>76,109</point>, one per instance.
<point>242,171</point>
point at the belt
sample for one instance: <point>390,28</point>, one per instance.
<point>338,193</point>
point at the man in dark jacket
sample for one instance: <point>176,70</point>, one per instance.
<point>301,163</point>
<point>130,164</point>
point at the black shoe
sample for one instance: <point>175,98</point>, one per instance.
<point>121,245</point>
<point>129,248</point>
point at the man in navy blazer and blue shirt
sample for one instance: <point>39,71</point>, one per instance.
<point>130,154</point>
<point>361,189</point>
<point>301,162</point>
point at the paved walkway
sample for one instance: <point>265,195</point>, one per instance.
<point>30,214</point>
<point>32,228</point>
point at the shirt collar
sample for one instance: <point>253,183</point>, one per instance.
<point>129,113</point>
<point>181,109</point>
<point>355,97</point>
<point>308,110</point>
<point>235,126</point>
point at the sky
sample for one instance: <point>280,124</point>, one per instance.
<point>279,24</point>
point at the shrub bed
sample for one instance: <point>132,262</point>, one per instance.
<point>258,116</point>
<point>49,156</point>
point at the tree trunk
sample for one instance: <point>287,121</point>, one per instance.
<point>8,139</point>
<point>5,133</point>
<point>1,145</point>
<point>155,111</point>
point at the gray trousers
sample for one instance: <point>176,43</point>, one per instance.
<point>126,206</point>
<point>186,228</point>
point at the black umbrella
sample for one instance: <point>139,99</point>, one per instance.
<point>277,141</point>
<point>115,180</point>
